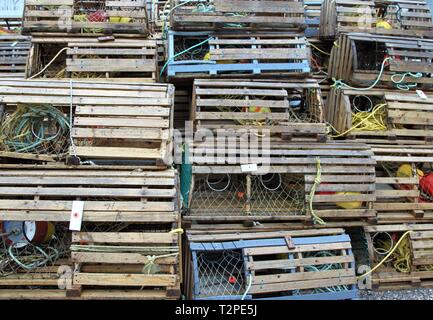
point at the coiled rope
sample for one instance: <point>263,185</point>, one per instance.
<point>25,129</point>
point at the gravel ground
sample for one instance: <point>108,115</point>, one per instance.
<point>413,294</point>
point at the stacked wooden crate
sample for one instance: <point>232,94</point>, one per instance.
<point>88,140</point>
<point>253,87</point>
<point>129,238</point>
<point>382,96</point>
<point>387,17</point>
<point>280,265</point>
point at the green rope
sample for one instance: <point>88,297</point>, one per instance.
<point>400,83</point>
<point>338,84</point>
<point>182,52</point>
<point>25,129</point>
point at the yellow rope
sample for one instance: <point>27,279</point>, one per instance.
<point>378,122</point>
<point>318,49</point>
<point>317,181</point>
<point>149,266</point>
<point>386,257</point>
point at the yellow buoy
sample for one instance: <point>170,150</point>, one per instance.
<point>405,170</point>
<point>115,19</point>
<point>259,109</point>
<point>384,25</point>
<point>349,204</point>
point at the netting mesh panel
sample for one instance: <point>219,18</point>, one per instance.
<point>36,129</point>
<point>323,267</point>
<point>20,259</point>
<point>220,273</point>
<point>271,194</point>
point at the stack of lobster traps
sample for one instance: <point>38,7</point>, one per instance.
<point>89,205</point>
<point>381,96</point>
<point>96,39</point>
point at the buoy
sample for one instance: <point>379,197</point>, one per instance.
<point>349,204</point>
<point>383,24</point>
<point>405,171</point>
<point>259,109</point>
<point>426,184</point>
<point>20,233</point>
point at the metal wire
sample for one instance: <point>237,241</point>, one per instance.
<point>271,195</point>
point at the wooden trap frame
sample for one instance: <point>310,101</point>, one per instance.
<point>112,122</point>
<point>128,237</point>
<point>14,53</point>
<point>234,55</point>
<point>396,117</point>
<point>411,264</point>
<point>128,60</point>
<point>238,15</point>
<point>312,17</point>
<point>293,108</point>
<point>388,17</point>
<point>120,59</point>
<point>223,192</point>
<point>358,58</point>
<point>94,17</point>
<point>280,265</point>
<point>403,176</point>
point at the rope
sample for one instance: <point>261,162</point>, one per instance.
<point>339,84</point>
<point>400,84</point>
<point>318,49</point>
<point>361,119</point>
<point>49,63</point>
<point>317,181</point>
<point>24,130</point>
<point>36,263</point>
<point>182,52</point>
<point>250,282</point>
<point>150,266</point>
<point>386,257</point>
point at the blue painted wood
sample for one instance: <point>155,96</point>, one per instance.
<point>301,67</point>
<point>241,244</point>
<point>210,67</point>
<point>195,274</point>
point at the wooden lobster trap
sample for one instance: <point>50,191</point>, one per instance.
<point>203,54</point>
<point>128,60</point>
<point>14,53</point>
<point>11,13</point>
<point>85,16</point>
<point>312,17</point>
<point>388,17</point>
<point>357,59</point>
<point>281,265</point>
<point>403,183</point>
<point>292,108</point>
<point>394,117</point>
<point>258,182</point>
<point>410,265</point>
<point>128,239</point>
<point>237,15</point>
<point>111,122</point>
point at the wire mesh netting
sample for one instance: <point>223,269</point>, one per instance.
<point>228,194</point>
<point>321,268</point>
<point>220,273</point>
<point>19,255</point>
<point>36,129</point>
